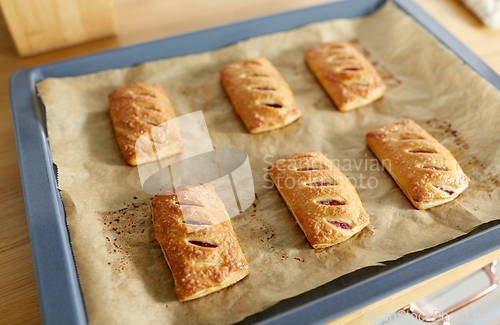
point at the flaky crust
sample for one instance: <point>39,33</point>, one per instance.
<point>201,217</point>
<point>349,89</point>
<point>423,177</point>
<point>140,108</point>
<point>313,218</point>
<point>253,83</point>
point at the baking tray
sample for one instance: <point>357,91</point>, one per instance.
<point>58,289</point>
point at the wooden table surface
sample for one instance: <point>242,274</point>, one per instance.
<point>139,21</point>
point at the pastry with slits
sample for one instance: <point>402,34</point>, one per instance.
<point>424,169</point>
<point>323,201</point>
<point>137,109</point>
<point>259,94</point>
<point>195,234</point>
<point>348,77</point>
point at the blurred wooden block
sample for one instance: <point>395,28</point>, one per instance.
<point>43,25</point>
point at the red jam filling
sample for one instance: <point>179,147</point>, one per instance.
<point>320,183</point>
<point>201,243</point>
<point>351,69</point>
<point>341,225</point>
<point>304,169</point>
<point>275,105</point>
<point>262,88</point>
<point>330,202</point>
<point>433,167</point>
<point>443,189</point>
<point>421,151</point>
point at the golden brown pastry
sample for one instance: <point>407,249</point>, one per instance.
<point>424,169</point>
<point>195,233</point>
<point>347,76</point>
<point>259,94</point>
<point>137,109</point>
<point>322,200</point>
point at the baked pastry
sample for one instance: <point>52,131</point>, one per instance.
<point>322,200</point>
<point>424,169</point>
<point>259,94</point>
<point>142,108</point>
<point>195,233</point>
<point>347,76</point>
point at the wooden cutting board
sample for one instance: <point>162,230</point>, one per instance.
<point>42,25</point>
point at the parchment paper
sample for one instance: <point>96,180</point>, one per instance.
<point>123,275</point>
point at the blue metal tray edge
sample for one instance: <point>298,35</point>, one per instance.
<point>57,283</point>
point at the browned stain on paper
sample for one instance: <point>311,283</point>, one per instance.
<point>205,93</point>
<point>357,239</point>
<point>444,129</point>
<point>387,76</point>
<point>495,181</point>
<point>479,186</point>
<point>323,103</point>
<point>133,251</point>
<point>259,227</point>
<point>262,231</point>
